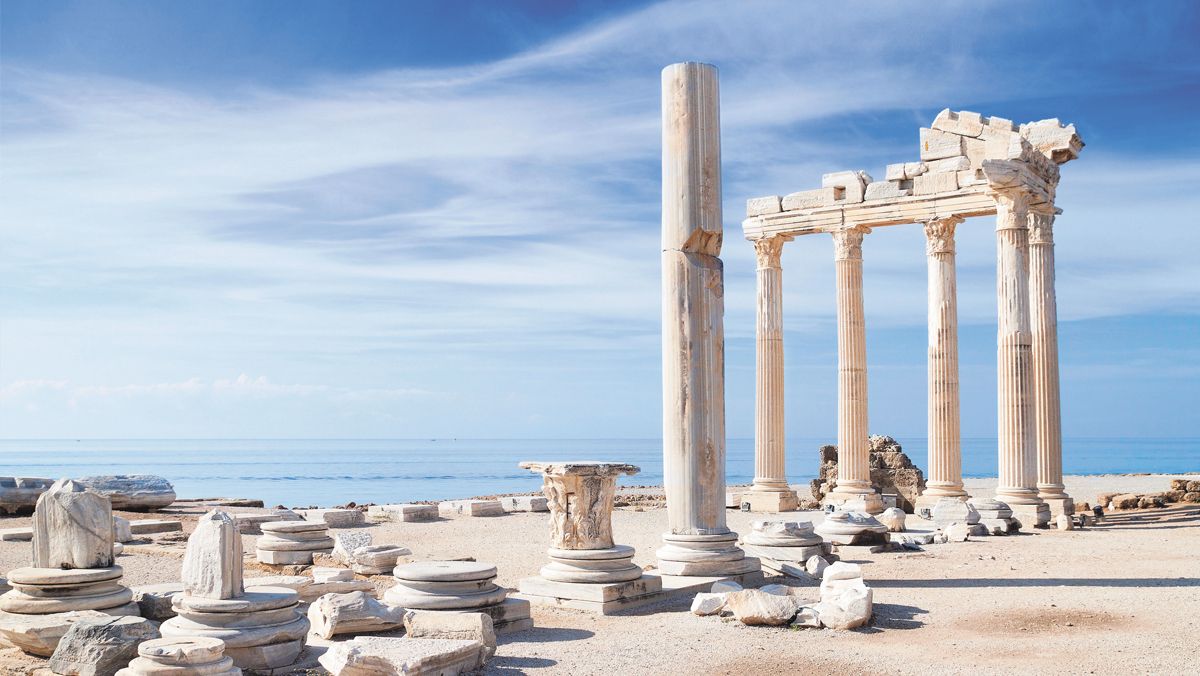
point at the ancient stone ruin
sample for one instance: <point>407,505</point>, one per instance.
<point>891,471</point>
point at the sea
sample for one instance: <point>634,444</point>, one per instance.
<point>330,472</point>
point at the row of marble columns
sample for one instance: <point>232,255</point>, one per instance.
<point>1030,437</point>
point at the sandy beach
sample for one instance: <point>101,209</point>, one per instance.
<point>1119,597</point>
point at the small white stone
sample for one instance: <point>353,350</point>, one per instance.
<point>754,607</point>
<point>121,530</point>
<point>816,566</point>
<point>957,532</point>
<point>708,604</point>
<point>1064,522</point>
<point>776,589</point>
<point>807,616</point>
<point>725,586</point>
<point>893,518</point>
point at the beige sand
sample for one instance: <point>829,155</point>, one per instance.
<point>1118,598</point>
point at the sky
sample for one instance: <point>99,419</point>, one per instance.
<point>288,218</point>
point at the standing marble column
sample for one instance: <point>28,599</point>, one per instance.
<point>854,490</point>
<point>1017,484</point>
<point>770,491</point>
<point>945,440</point>
<point>1043,315</point>
<point>697,541</point>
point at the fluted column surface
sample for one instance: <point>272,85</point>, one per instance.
<point>1043,314</point>
<point>854,471</point>
<point>769,430</point>
<point>1018,462</point>
<point>945,441</point>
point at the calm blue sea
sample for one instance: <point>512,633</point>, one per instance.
<point>326,472</point>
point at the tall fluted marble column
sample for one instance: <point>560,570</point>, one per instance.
<point>770,491</point>
<point>1017,483</point>
<point>1043,313</point>
<point>853,490</point>
<point>697,541</point>
<point>945,440</point>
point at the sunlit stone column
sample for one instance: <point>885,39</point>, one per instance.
<point>697,541</point>
<point>853,490</point>
<point>770,492</point>
<point>1017,484</point>
<point>1043,315</point>
<point>945,440</point>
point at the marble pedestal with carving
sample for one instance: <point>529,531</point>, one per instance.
<point>587,570</point>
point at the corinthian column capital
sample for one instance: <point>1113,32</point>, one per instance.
<point>1041,227</point>
<point>768,251</point>
<point>847,242</point>
<point>1012,209</point>
<point>939,234</point>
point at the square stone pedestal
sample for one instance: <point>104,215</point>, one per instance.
<point>1032,516</point>
<point>1060,506</point>
<point>769,501</point>
<point>603,598</point>
<point>511,614</point>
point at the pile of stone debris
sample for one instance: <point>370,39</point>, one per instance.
<point>845,602</point>
<point>1182,490</point>
<point>892,472</point>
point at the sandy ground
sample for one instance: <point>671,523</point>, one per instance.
<point>1118,598</point>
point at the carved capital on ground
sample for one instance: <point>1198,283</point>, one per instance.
<point>768,251</point>
<point>939,234</point>
<point>847,242</point>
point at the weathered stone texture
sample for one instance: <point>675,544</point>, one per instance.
<point>891,472</point>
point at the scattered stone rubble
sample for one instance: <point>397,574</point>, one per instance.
<point>1182,490</point>
<point>892,472</point>
<point>845,602</point>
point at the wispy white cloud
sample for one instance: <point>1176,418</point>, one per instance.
<point>424,225</point>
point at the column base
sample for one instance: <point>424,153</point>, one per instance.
<point>866,503</point>
<point>1032,516</point>
<point>704,556</point>
<point>1060,505</point>
<point>769,501</point>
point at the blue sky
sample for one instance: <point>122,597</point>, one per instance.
<point>297,219</point>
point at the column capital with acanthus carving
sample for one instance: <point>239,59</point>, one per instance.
<point>1012,208</point>
<point>847,242</point>
<point>939,234</point>
<point>768,252</point>
<point>1041,226</point>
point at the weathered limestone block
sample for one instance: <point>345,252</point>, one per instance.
<point>1063,522</point>
<point>72,528</point>
<point>846,601</point>
<point>815,566</point>
<point>580,495</point>
<point>937,144</point>
<point>957,532</point>
<point>932,184</point>
<point>150,526</point>
<point>133,492</point>
<point>292,542</point>
<point>963,123</point>
<point>212,565</point>
<point>377,559</point>
<point>251,524</point>
<point>958,163</point>
<point>708,604</point>
<point>852,184</point>
<point>949,511</point>
<point>402,512</point>
<point>810,199</point>
<point>971,177</point>
<point>851,528</point>
<point>191,656</point>
<point>353,613</point>
<point>380,656</point>
<point>335,518</point>
<point>332,574</point>
<point>758,206</point>
<point>19,495</point>
<point>525,503</point>
<point>344,545</point>
<point>100,646</point>
<point>905,171</point>
<point>40,634</point>
<point>470,508</point>
<point>154,600</point>
<point>453,626</point>
<point>885,190</point>
<point>1052,138</point>
<point>755,607</point>
<point>893,518</point>
<point>121,530</point>
<point>892,472</point>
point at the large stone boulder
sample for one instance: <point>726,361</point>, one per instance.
<point>133,492</point>
<point>100,647</point>
<point>383,656</point>
<point>892,472</point>
<point>756,607</point>
<point>353,613</point>
<point>846,601</point>
<point>72,528</point>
